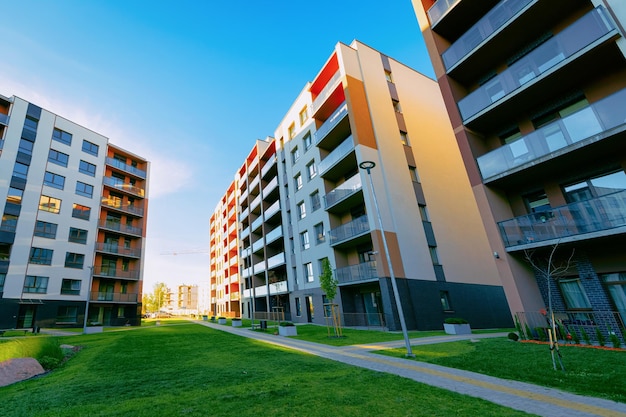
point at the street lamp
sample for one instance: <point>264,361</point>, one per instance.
<point>368,165</point>
<point>88,298</point>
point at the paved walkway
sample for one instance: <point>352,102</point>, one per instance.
<point>518,395</point>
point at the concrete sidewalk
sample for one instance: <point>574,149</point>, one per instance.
<point>517,395</point>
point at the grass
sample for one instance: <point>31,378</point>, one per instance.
<point>592,372</point>
<point>46,350</point>
<point>191,370</point>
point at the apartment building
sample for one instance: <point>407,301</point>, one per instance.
<point>73,224</point>
<point>536,94</point>
<point>302,198</point>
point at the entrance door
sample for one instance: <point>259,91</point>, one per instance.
<point>26,316</point>
<point>309,309</point>
<point>372,308</point>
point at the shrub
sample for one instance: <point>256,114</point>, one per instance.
<point>48,362</point>
<point>615,340</point>
<point>541,332</point>
<point>529,333</point>
<point>513,336</point>
<point>600,337</point>
<point>586,337</point>
<point>286,323</point>
<point>575,337</point>
<point>518,326</point>
<point>455,320</point>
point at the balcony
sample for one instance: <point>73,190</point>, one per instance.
<point>342,193</point>
<point>276,260</point>
<point>119,227</point>
<point>274,234</point>
<point>117,250</point>
<point>270,186</point>
<point>105,271</point>
<point>271,210</point>
<point>365,271</point>
<point>116,297</point>
<point>245,233</point>
<point>556,53</point>
<point>451,18</point>
<point>244,213</point>
<point>268,165</point>
<point>348,231</point>
<point>259,267</point>
<point>255,204</point>
<point>333,158</point>
<point>120,185</point>
<point>125,167</point>
<point>4,119</point>
<point>598,217</point>
<point>258,245</point>
<point>588,125</point>
<point>234,296</point>
<point>330,123</point>
<point>123,207</point>
<point>257,224</point>
<point>278,288</point>
<point>497,17</point>
<point>326,92</point>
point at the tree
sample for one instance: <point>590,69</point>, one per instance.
<point>155,301</point>
<point>328,283</point>
<point>550,270</point>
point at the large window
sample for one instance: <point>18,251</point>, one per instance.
<point>596,187</point>
<point>83,189</point>
<point>90,148</point>
<point>74,260</point>
<point>307,141</point>
<point>311,170</point>
<point>61,136</point>
<point>319,233</point>
<point>315,201</point>
<point>49,204</point>
<point>15,195</point>
<point>81,212</point>
<point>87,168</point>
<point>301,210</point>
<point>574,294</point>
<point>298,181</point>
<point>295,155</point>
<point>20,170</point>
<point>77,235</point>
<point>308,272</point>
<point>40,256</point>
<point>26,146</point>
<point>58,158</point>
<point>54,180</point>
<point>616,285</point>
<point>45,229</point>
<point>70,286</point>
<point>67,314</point>
<point>9,222</point>
<point>35,284</point>
<point>304,240</point>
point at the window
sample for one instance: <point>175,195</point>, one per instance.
<point>303,115</point>
<point>49,204</point>
<point>77,235</point>
<point>61,136</point>
<point>45,229</point>
<point>301,210</point>
<point>295,155</point>
<point>67,314</point>
<point>388,76</point>
<point>596,187</point>
<point>30,124</point>
<point>26,146</point>
<point>54,180</point>
<point>70,286</point>
<point>319,233</point>
<point>15,195</point>
<point>424,213</point>
<point>87,168</point>
<point>396,106</point>
<point>434,255</point>
<point>616,285</point>
<point>304,240</point>
<point>307,141</point>
<point>298,307</point>
<point>404,138</point>
<point>3,277</point>
<point>308,272</point>
<point>312,170</point>
<point>413,173</point>
<point>9,222</point>
<point>58,158</point>
<point>35,284</point>
<point>445,300</point>
<point>20,170</point>
<point>40,256</point>
<point>84,189</point>
<point>574,293</point>
<point>315,201</point>
<point>292,130</point>
<point>537,202</point>
<point>90,148</point>
<point>81,212</point>
<point>74,260</point>
<point>298,181</point>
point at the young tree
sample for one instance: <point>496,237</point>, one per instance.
<point>155,301</point>
<point>328,283</point>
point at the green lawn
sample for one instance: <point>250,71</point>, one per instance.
<point>191,370</point>
<point>593,372</point>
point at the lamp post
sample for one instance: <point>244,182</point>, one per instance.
<point>88,298</point>
<point>368,165</point>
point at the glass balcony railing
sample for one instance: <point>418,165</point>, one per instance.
<point>257,223</point>
<point>276,260</point>
<point>117,249</point>
<point>336,155</point>
<point>113,296</point>
<point>4,119</point>
<point>343,191</point>
<point>278,287</point>
<point>271,210</point>
<point>325,93</point>
<point>331,122</point>
<point>268,165</point>
<point>586,30</point>
<point>349,230</point>
<point>437,10</point>
<point>244,233</point>
<point>595,215</point>
<point>257,245</point>
<point>122,186</point>
<point>270,186</point>
<point>118,205</point>
<point>483,29</point>
<point>569,131</point>
<point>125,167</point>
<point>356,273</point>
<point>255,203</point>
<point>274,234</point>
<point>107,271</point>
<point>259,267</point>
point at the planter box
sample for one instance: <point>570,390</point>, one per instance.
<point>287,330</point>
<point>236,323</point>
<point>94,329</point>
<point>457,328</point>
<point>221,321</point>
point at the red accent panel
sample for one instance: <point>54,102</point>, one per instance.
<point>325,75</point>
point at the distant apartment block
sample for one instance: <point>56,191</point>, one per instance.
<point>301,198</point>
<point>73,223</point>
<point>536,94</point>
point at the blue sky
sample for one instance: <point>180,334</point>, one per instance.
<point>189,85</point>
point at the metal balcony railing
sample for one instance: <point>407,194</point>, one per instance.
<point>437,10</point>
<point>122,186</point>
<point>125,207</point>
<point>336,155</point>
<point>331,122</point>
<point>119,227</point>
<point>355,273</point>
<point>325,93</point>
<point>105,271</point>
<point>349,230</point>
<point>125,167</point>
<point>117,249</point>
<point>349,187</point>
<point>113,297</point>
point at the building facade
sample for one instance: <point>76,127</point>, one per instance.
<point>73,227</point>
<point>536,94</point>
